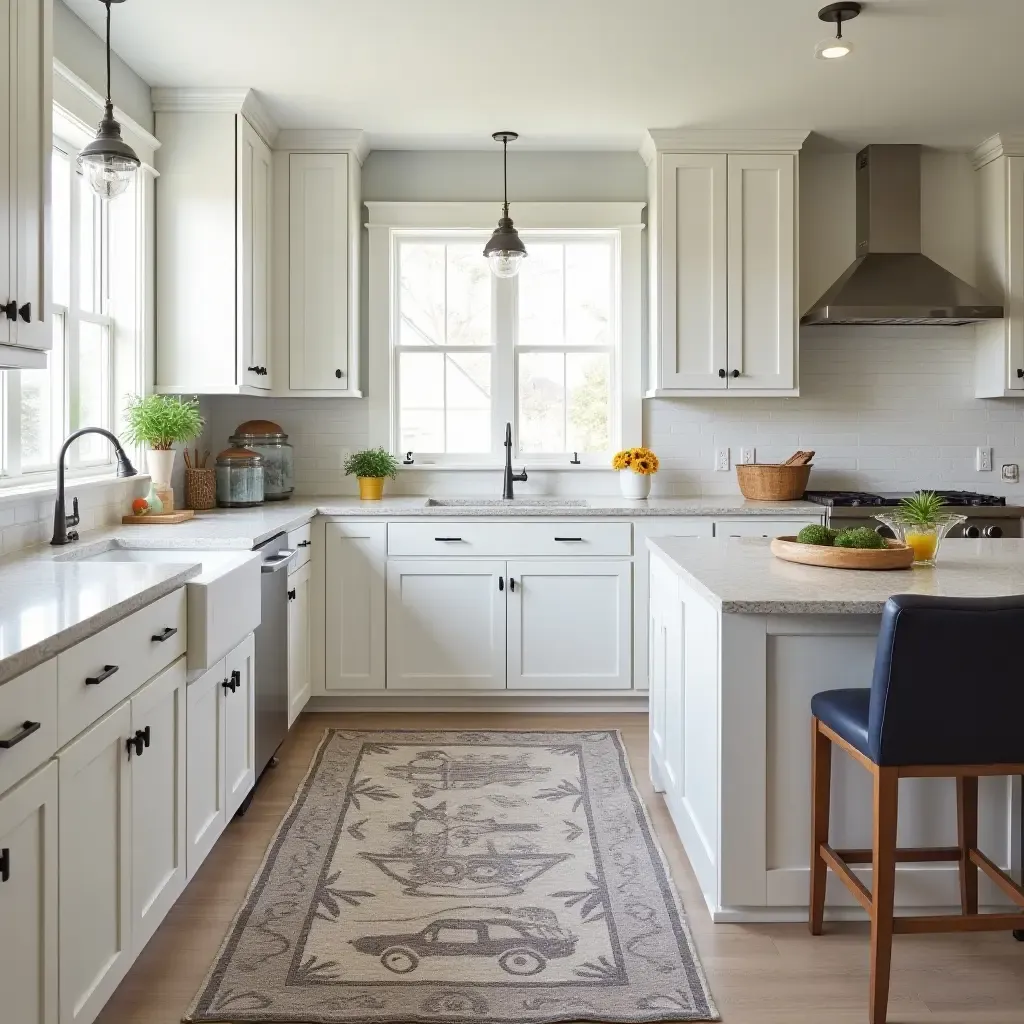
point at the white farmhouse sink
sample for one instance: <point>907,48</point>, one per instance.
<point>223,601</point>
<point>506,503</point>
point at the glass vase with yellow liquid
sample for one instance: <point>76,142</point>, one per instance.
<point>923,538</point>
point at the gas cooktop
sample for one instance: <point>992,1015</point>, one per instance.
<point>854,499</point>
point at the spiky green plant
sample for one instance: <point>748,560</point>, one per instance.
<point>922,509</point>
<point>161,421</point>
<point>374,462</point>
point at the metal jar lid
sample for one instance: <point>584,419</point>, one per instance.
<point>241,458</point>
<point>259,431</point>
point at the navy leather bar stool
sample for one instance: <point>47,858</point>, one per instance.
<point>946,701</point>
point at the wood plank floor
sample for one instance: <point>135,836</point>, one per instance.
<point>759,974</point>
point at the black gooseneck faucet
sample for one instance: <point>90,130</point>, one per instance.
<point>63,524</point>
<point>509,475</point>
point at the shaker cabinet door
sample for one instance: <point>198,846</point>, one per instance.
<point>205,801</point>
<point>298,641</point>
<point>239,725</point>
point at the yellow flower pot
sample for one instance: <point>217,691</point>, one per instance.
<point>371,488</point>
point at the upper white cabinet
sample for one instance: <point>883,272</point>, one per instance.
<point>214,219</point>
<point>723,226</point>
<point>999,366</point>
<point>26,141</point>
<point>323,262</point>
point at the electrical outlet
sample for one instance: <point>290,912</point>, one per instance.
<point>747,456</point>
<point>983,462</point>
<point>722,460</point>
<point>1010,473</point>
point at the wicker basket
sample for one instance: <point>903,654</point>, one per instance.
<point>200,489</point>
<point>764,482</point>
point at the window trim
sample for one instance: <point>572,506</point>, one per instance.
<point>389,220</point>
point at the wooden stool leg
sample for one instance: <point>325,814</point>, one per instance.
<point>883,890</point>
<point>821,780</point>
<point>967,837</point>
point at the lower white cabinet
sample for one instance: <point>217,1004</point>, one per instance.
<point>122,839</point>
<point>220,752</point>
<point>28,899</point>
<point>299,678</point>
<point>761,527</point>
<point>355,606</point>
<point>569,624</point>
<point>446,624</point>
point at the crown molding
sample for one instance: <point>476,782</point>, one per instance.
<point>721,140</point>
<point>353,141</point>
<point>995,146</point>
<point>172,100</point>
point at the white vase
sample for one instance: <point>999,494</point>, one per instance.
<point>635,486</point>
<point>161,464</point>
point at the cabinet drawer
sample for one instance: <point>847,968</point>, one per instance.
<point>132,647</point>
<point>302,541</point>
<point>509,540</point>
<point>28,722</point>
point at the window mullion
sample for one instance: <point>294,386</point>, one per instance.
<point>503,405</point>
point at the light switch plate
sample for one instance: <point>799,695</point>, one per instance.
<point>983,461</point>
<point>722,460</point>
<point>748,456</point>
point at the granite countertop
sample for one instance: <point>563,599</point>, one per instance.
<point>743,576</point>
<point>47,607</point>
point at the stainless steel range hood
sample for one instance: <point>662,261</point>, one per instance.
<point>891,281</point>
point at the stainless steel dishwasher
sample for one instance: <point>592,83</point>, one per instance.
<point>272,650</point>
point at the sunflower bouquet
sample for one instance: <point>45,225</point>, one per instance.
<point>639,460</point>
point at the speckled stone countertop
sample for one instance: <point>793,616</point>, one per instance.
<point>742,575</point>
<point>47,607</point>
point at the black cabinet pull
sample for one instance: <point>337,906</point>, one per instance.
<point>501,582</point>
<point>304,544</point>
<point>139,742</point>
<point>735,373</point>
<point>721,373</point>
<point>145,735</point>
<point>575,460</point>
<point>260,371</point>
<point>570,540</point>
<point>339,374</point>
<point>10,310</point>
<point>511,584</point>
<point>26,730</point>
<point>108,671</point>
<point>408,460</point>
<point>165,634</point>
<point>448,539</point>
<point>5,864</point>
<point>26,312</point>
<point>1020,373</point>
<point>291,594</point>
<point>234,682</point>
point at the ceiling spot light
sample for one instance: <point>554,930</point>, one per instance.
<point>836,14</point>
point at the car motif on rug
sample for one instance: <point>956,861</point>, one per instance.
<point>521,947</point>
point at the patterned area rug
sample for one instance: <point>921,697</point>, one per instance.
<point>446,876</point>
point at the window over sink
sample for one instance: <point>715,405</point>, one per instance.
<point>459,352</point>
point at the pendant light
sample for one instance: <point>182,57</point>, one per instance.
<point>505,250</point>
<point>108,161</point>
<point>832,49</point>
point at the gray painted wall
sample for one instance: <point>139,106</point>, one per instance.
<point>80,49</point>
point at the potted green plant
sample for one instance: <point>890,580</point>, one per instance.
<point>920,522</point>
<point>371,467</point>
<point>158,422</point>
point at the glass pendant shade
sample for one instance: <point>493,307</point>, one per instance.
<point>504,250</point>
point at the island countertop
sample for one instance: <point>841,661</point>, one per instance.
<point>742,576</point>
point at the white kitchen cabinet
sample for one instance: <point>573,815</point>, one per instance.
<point>299,678</point>
<point>239,725</point>
<point>213,229</point>
<point>95,891</point>
<point>206,788</point>
<point>445,624</point>
<point>664,702</point>
<point>158,801</point>
<point>26,142</point>
<point>569,624</point>
<point>355,605</point>
<point>323,263</point>
<point>723,309</point>
<point>28,899</point>
<point>725,528</point>
<point>999,344</point>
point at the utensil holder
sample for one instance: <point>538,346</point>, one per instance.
<point>200,489</point>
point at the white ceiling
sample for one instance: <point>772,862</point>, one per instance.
<point>590,73</point>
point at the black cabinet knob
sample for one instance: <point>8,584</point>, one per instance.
<point>25,312</point>
<point>339,374</point>
<point>721,373</point>
<point>1020,373</point>
<point>10,310</point>
<point>292,594</point>
<point>5,864</point>
<point>501,582</point>
<point>511,584</point>
<point>735,373</point>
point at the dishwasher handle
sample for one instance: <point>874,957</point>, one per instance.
<point>276,561</point>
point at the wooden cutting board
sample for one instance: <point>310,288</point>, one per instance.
<point>895,556</point>
<point>163,519</point>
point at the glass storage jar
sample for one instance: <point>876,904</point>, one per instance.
<point>239,478</point>
<point>269,440</point>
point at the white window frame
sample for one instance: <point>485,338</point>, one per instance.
<point>390,223</point>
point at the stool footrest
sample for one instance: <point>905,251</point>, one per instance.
<point>846,876</point>
<point>957,923</point>
<point>910,854</point>
<point>998,876</point>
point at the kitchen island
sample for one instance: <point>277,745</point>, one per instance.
<point>739,642</point>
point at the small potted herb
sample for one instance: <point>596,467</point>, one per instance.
<point>158,422</point>
<point>370,467</point>
<point>921,523</point>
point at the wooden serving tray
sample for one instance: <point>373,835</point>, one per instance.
<point>163,519</point>
<point>895,556</point>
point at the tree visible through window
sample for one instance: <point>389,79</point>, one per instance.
<point>473,351</point>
